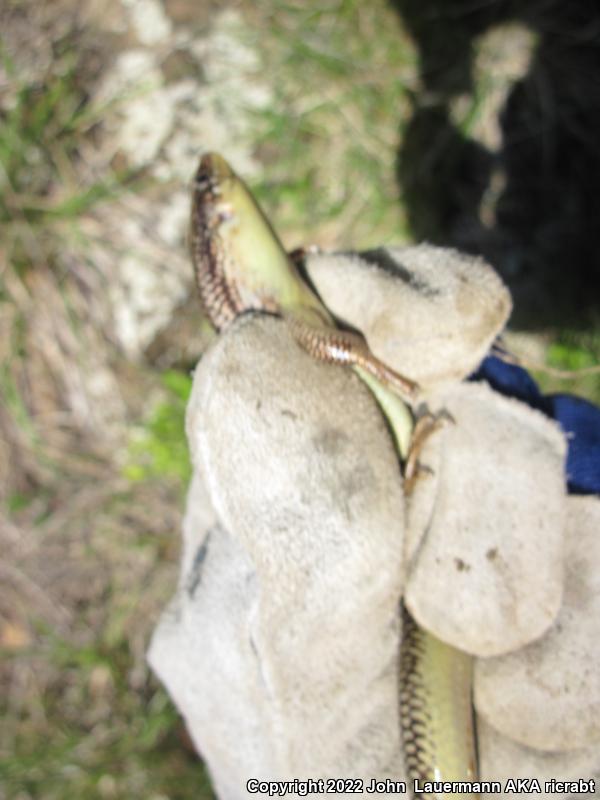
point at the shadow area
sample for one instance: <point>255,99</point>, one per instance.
<point>526,197</point>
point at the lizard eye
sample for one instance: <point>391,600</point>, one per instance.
<point>202,183</point>
<point>204,179</point>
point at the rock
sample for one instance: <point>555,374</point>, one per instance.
<point>548,694</point>
<point>281,647</point>
<point>429,312</point>
<point>487,575</point>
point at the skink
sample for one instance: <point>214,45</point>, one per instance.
<point>240,265</point>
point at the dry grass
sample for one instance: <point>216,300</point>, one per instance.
<point>89,555</point>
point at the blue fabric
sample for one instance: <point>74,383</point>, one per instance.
<point>578,418</point>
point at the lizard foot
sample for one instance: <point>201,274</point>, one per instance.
<point>425,425</point>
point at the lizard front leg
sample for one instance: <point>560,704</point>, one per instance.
<point>336,346</point>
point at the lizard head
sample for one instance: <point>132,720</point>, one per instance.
<point>238,258</point>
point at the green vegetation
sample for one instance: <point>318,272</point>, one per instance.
<point>159,448</point>
<point>329,140</point>
<point>577,352</point>
<point>82,717</point>
<point>98,736</point>
<point>43,183</point>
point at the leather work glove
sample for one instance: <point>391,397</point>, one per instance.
<point>282,643</point>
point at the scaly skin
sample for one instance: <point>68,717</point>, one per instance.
<point>436,711</point>
<point>240,265</point>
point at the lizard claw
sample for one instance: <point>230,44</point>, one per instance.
<point>426,424</point>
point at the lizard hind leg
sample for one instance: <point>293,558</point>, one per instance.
<point>348,349</point>
<point>425,426</point>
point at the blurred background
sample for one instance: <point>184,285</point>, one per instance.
<point>469,123</point>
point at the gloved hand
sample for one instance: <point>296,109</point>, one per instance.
<point>281,646</point>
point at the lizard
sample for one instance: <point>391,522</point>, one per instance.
<point>240,265</point>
